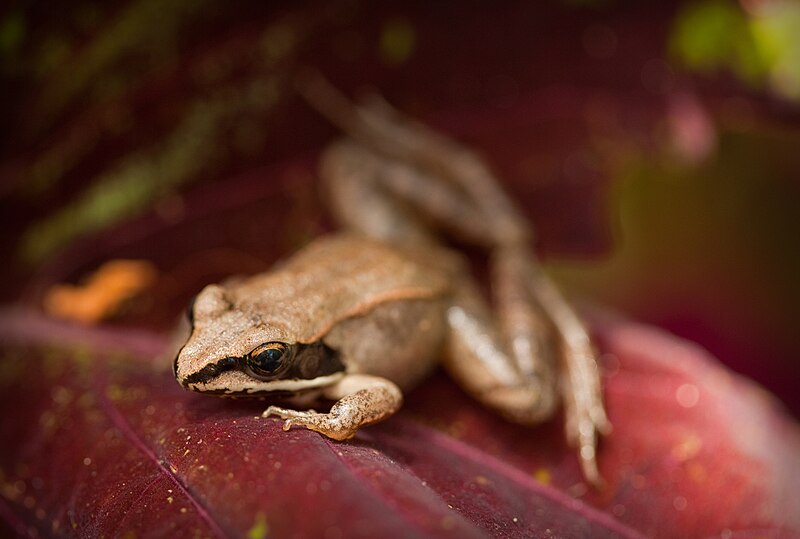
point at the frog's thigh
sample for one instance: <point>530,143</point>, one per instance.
<point>376,125</point>
<point>486,367</point>
<point>361,400</point>
<point>359,201</point>
<point>397,201</point>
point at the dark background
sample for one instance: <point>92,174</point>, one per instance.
<point>654,145</point>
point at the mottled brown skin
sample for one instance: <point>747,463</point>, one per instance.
<point>372,310</point>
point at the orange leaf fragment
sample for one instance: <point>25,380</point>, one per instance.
<point>103,294</point>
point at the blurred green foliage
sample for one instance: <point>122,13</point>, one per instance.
<point>761,46</point>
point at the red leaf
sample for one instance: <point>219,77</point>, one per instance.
<point>106,443</point>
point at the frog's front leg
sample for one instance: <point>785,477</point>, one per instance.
<point>361,400</point>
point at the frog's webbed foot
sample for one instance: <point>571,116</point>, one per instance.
<point>361,400</point>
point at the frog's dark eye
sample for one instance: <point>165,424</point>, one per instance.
<point>270,359</point>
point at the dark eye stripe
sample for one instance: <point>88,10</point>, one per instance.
<point>212,370</point>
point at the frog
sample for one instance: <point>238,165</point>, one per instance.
<point>359,317</point>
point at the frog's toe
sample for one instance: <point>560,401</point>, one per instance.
<point>273,410</point>
<point>583,428</point>
<point>285,413</point>
<point>321,423</point>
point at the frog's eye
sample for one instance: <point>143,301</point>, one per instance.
<point>270,359</point>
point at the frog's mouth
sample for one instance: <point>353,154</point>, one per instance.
<point>277,395</point>
<point>278,389</point>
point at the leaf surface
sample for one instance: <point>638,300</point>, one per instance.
<point>106,443</point>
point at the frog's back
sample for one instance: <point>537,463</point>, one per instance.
<point>336,277</point>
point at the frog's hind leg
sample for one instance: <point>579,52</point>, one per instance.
<point>393,201</point>
<point>459,173</point>
<point>356,195</point>
<point>520,285</point>
<point>538,344</point>
<point>513,360</point>
<point>508,366</point>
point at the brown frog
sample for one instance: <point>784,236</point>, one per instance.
<point>363,315</point>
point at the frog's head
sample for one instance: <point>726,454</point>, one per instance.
<point>233,351</point>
